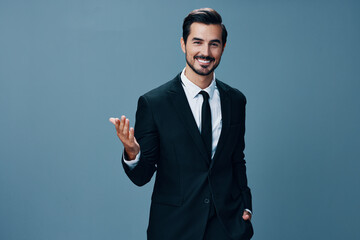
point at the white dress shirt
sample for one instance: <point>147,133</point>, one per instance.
<point>196,100</point>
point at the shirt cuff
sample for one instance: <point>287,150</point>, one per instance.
<point>248,210</point>
<point>131,163</point>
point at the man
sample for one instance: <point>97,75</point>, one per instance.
<point>191,132</point>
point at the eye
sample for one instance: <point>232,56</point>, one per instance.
<point>197,42</point>
<point>214,44</point>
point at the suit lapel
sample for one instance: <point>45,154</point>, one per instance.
<point>178,99</point>
<point>226,116</point>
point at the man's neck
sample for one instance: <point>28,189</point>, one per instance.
<point>199,80</point>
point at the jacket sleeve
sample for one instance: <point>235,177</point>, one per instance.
<point>239,164</point>
<point>146,134</point>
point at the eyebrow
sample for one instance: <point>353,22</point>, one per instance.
<point>216,40</point>
<point>199,39</point>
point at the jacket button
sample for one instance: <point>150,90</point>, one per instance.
<point>206,200</point>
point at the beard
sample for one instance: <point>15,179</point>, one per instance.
<point>198,71</point>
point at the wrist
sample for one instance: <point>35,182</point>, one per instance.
<point>130,155</point>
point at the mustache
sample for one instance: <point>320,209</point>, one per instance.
<point>205,58</point>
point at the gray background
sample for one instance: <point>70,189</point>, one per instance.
<point>67,66</point>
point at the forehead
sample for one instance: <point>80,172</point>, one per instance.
<point>206,32</point>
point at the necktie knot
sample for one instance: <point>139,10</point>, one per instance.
<point>205,95</point>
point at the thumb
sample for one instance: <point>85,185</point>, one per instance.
<point>246,215</point>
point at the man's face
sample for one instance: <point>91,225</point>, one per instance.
<point>203,48</point>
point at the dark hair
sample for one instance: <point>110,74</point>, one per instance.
<point>203,15</point>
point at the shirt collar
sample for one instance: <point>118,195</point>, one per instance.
<point>193,89</point>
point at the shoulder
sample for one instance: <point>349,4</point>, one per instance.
<point>159,96</point>
<point>234,93</point>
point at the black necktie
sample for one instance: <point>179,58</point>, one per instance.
<point>206,129</point>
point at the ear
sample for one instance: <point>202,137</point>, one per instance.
<point>182,43</point>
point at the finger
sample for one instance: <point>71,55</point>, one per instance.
<point>126,127</point>
<point>131,135</point>
<point>122,123</point>
<point>117,124</point>
<point>112,120</point>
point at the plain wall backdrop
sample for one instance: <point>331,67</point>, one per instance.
<point>67,66</point>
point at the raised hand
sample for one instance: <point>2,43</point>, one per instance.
<point>126,136</point>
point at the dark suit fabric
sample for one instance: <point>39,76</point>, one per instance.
<point>187,183</point>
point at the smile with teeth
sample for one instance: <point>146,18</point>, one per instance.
<point>203,60</point>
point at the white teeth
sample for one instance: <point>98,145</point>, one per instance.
<point>203,61</point>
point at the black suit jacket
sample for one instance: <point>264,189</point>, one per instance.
<point>186,180</point>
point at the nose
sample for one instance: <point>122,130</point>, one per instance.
<point>205,50</point>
